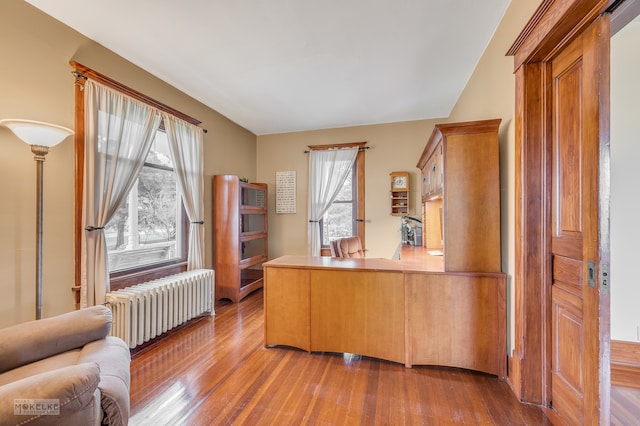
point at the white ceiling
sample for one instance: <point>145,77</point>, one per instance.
<point>276,66</point>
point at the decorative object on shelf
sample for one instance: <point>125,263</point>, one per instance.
<point>41,136</point>
<point>399,193</point>
<point>399,182</point>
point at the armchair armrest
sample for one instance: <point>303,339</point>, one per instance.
<point>72,387</point>
<point>112,355</point>
<point>34,340</point>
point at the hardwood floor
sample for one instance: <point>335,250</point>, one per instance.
<point>217,371</point>
<point>625,406</point>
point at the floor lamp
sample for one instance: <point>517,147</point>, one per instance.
<point>41,136</point>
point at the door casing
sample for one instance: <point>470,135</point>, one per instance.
<point>554,25</point>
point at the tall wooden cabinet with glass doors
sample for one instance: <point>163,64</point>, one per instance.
<point>240,236</point>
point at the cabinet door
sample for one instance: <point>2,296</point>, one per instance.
<point>424,174</point>
<point>440,168</point>
<point>433,175</point>
<point>252,223</point>
<point>252,251</point>
<point>430,176</point>
<point>253,195</point>
<point>436,171</point>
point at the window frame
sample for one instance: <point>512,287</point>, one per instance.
<point>124,278</point>
<point>325,250</point>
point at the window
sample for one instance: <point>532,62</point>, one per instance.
<point>147,228</point>
<point>148,238</point>
<point>346,215</point>
<point>340,220</point>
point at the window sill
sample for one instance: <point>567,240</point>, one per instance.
<point>128,278</point>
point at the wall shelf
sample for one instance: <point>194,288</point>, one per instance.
<point>399,193</point>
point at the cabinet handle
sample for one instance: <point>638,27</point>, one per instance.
<point>358,220</point>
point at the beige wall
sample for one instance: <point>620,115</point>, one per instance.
<point>394,147</point>
<point>490,93</point>
<point>36,83</point>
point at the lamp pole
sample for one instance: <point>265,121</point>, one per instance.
<point>39,152</point>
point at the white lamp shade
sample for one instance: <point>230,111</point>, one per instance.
<point>37,132</point>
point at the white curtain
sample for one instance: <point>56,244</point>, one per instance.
<point>185,143</point>
<point>119,132</point>
<point>328,170</point>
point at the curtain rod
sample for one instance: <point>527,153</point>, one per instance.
<point>81,71</point>
<point>359,149</point>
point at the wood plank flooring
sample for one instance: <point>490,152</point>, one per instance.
<point>625,406</point>
<point>216,371</point>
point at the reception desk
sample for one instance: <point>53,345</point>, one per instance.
<point>407,311</point>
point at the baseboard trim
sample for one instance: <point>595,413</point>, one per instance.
<point>513,374</point>
<point>625,364</point>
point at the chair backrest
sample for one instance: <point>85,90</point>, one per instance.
<point>349,247</point>
<point>335,251</point>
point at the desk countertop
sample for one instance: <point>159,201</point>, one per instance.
<point>412,259</point>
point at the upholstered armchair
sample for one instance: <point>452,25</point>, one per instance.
<point>67,364</point>
<point>347,247</point>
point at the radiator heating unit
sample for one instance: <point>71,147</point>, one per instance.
<point>144,311</point>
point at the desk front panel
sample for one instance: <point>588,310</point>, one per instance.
<point>286,307</point>
<point>458,321</point>
<point>408,316</point>
<point>359,312</point>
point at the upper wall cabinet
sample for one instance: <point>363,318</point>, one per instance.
<point>430,166</point>
<point>461,195</point>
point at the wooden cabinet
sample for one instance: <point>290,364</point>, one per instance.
<point>399,193</point>
<point>240,243</point>
<point>461,195</point>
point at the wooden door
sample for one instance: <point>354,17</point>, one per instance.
<point>575,137</point>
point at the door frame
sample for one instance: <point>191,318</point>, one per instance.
<point>552,27</point>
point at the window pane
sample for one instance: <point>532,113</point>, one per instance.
<point>346,193</point>
<point>156,205</point>
<point>144,229</point>
<point>337,222</point>
<point>159,153</point>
